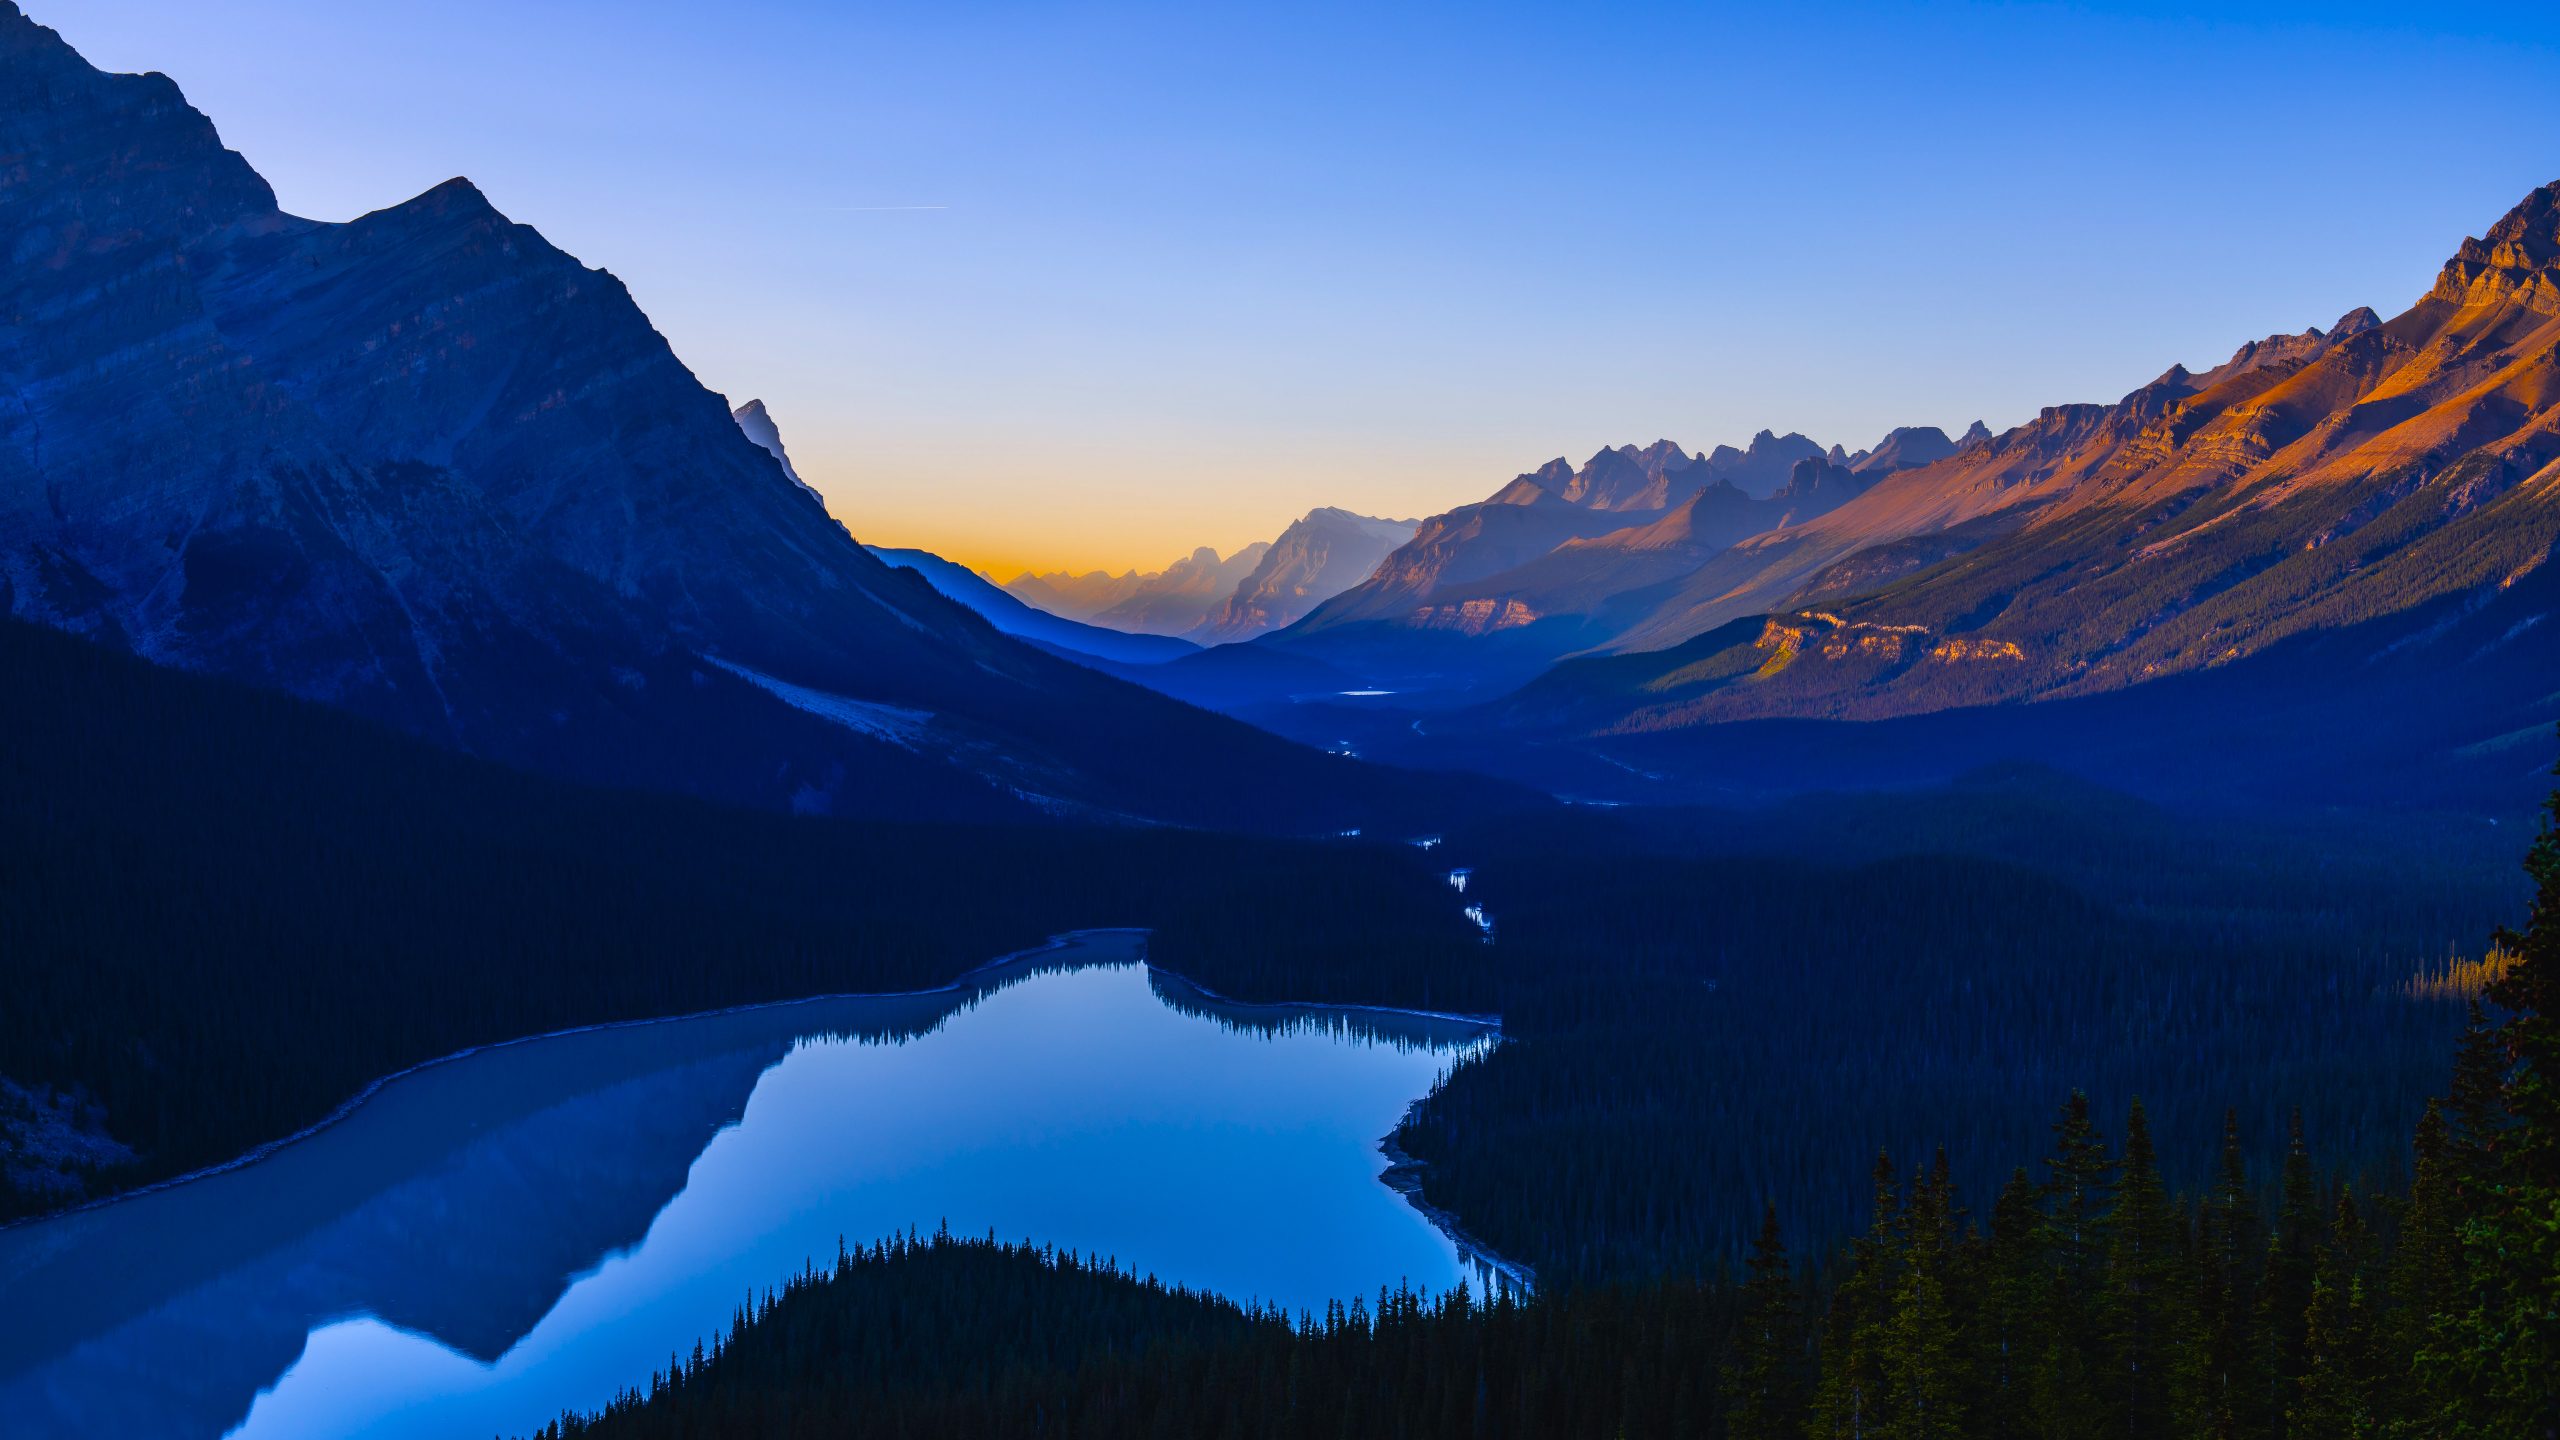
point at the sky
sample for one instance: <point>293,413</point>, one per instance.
<point>1088,285</point>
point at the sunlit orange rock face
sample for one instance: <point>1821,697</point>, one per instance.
<point>2314,481</point>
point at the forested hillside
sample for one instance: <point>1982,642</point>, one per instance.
<point>1706,1010</point>
<point>225,911</point>
<point>2086,1297</point>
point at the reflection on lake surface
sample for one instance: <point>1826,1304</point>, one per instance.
<point>532,1227</point>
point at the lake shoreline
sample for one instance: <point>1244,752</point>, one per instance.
<point>1404,1176</point>
<point>1065,939</point>
<point>967,979</point>
<point>1404,1173</point>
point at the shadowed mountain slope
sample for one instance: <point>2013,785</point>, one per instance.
<point>424,466</point>
<point>1026,622</point>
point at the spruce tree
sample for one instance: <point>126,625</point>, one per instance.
<point>2009,1334</point>
<point>2219,1395</point>
<point>2344,1385</point>
<point>2293,1261</point>
<point>2078,1184</point>
<point>2475,1102</point>
<point>2141,1297</point>
<point>1845,1402</point>
<point>1923,1363</point>
<point>2425,1274</point>
<point>1765,1382</point>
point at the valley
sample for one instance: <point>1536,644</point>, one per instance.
<point>516,919</point>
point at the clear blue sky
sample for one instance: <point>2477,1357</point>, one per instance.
<point>1204,266</point>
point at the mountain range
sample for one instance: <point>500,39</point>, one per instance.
<point>2313,483</point>
<point>1212,601</point>
<point>1560,558</point>
<point>426,467</point>
<point>2318,568</point>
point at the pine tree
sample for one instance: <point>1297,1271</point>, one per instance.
<point>2293,1262</point>
<point>2475,1102</point>
<point>2219,1396</point>
<point>2077,1186</point>
<point>2009,1333</point>
<point>2141,1297</point>
<point>2425,1274</point>
<point>1765,1382</point>
<point>2344,1382</point>
<point>1845,1402</point>
<point>1922,1353</point>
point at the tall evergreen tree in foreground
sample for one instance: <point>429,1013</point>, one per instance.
<point>2496,1346</point>
<point>1767,1379</point>
<point>2143,1299</point>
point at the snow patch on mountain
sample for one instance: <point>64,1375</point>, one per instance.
<point>895,724</point>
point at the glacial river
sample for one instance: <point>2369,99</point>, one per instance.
<point>494,1238</point>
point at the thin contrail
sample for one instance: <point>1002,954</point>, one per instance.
<point>861,209</point>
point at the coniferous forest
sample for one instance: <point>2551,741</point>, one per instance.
<point>2085,1296</point>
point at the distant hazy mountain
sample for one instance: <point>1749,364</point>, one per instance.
<point>1179,598</point>
<point>426,467</point>
<point>1075,597</point>
<point>1315,559</point>
<point>1013,617</point>
<point>1213,600</point>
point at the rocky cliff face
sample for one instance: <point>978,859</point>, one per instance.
<point>425,466</point>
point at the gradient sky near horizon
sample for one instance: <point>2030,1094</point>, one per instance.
<point>1087,285</point>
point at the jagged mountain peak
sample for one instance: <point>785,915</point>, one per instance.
<point>2518,260</point>
<point>1762,468</point>
<point>757,422</point>
<point>1660,457</point>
